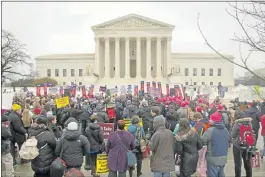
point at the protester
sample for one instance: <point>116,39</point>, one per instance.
<point>119,143</point>
<point>183,110</point>
<point>216,138</point>
<point>262,120</point>
<point>162,147</point>
<point>26,118</point>
<point>155,112</point>
<point>145,114</point>
<point>188,143</point>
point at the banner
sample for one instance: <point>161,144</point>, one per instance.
<point>160,88</point>
<point>37,91</point>
<point>136,90</point>
<point>102,164</point>
<point>62,102</point>
<point>44,90</point>
<point>167,89</point>
<point>128,122</point>
<point>61,91</point>
<point>154,84</point>
<point>142,85</point>
<point>176,90</point>
<point>102,89</point>
<point>123,90</point>
<point>83,91</point>
<point>148,87</point>
<point>107,129</point>
<point>129,89</point>
<point>91,90</point>
<point>53,90</point>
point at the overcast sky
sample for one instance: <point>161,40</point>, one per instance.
<point>65,27</point>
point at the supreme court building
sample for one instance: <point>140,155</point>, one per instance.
<point>134,48</point>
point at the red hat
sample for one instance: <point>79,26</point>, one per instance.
<point>183,104</point>
<point>37,111</point>
<point>220,107</point>
<point>159,100</point>
<point>178,101</point>
<point>2,111</point>
<point>199,109</point>
<point>216,117</point>
<point>200,100</point>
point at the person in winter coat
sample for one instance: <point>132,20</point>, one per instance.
<point>145,114</point>
<point>216,138</point>
<point>262,120</point>
<point>26,118</point>
<point>6,157</point>
<point>238,152</point>
<point>57,130</point>
<point>188,143</point>
<point>162,147</point>
<point>255,115</point>
<point>172,118</point>
<point>46,145</point>
<point>117,145</point>
<point>130,110</point>
<point>102,116</point>
<point>69,120</point>
<point>138,134</point>
<point>155,111</point>
<point>183,110</point>
<point>75,113</point>
<point>202,124</point>
<point>17,129</point>
<point>95,137</point>
<point>73,147</point>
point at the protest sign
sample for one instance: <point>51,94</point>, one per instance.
<point>107,129</point>
<point>102,164</point>
<point>123,89</point>
<point>102,89</point>
<point>255,162</point>
<point>53,90</point>
<point>128,122</point>
<point>62,102</point>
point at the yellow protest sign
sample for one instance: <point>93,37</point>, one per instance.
<point>128,122</point>
<point>62,102</point>
<point>102,164</point>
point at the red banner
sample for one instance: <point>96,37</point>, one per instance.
<point>107,129</point>
<point>45,90</point>
<point>167,89</point>
<point>142,85</point>
<point>136,90</point>
<point>37,91</point>
<point>83,91</point>
<point>176,91</point>
<point>91,90</point>
<point>160,88</point>
<point>148,87</point>
<point>154,84</point>
<point>61,91</point>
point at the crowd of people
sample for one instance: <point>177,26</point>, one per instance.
<point>173,132</point>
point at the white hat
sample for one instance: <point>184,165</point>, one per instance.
<point>72,126</point>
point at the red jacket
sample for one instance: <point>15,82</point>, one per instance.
<point>262,120</point>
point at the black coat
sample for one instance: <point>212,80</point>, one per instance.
<point>46,145</point>
<point>5,139</point>
<point>187,146</point>
<point>255,114</point>
<point>145,114</point>
<point>17,128</point>
<point>75,113</point>
<point>95,137</point>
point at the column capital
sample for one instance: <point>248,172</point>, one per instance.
<point>169,38</point>
<point>117,39</point>
<point>127,38</point>
<point>107,38</point>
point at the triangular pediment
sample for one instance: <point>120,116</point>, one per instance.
<point>132,21</point>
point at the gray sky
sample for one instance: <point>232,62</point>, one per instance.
<point>65,27</point>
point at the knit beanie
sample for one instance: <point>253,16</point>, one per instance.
<point>72,126</point>
<point>37,111</point>
<point>159,120</point>
<point>16,107</point>
<point>216,117</point>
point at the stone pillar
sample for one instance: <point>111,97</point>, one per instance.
<point>107,59</point>
<point>127,58</point>
<point>138,58</point>
<point>96,65</point>
<point>158,57</point>
<point>168,56</point>
<point>148,57</point>
<point>117,57</point>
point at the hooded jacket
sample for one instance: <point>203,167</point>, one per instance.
<point>130,111</point>
<point>46,145</point>
<point>17,128</point>
<point>255,114</point>
<point>188,145</point>
<point>145,114</point>
<point>95,137</point>
<point>162,147</point>
<point>73,146</point>
<point>133,129</point>
<point>217,140</point>
<point>236,128</point>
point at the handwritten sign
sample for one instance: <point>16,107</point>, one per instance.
<point>255,161</point>
<point>128,122</point>
<point>102,164</point>
<point>107,129</point>
<point>62,102</point>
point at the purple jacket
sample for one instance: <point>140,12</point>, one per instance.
<point>117,158</point>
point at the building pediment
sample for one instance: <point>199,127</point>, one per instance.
<point>132,21</point>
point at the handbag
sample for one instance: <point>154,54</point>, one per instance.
<point>202,164</point>
<point>58,166</point>
<point>131,158</point>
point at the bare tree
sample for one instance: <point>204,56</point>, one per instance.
<point>251,10</point>
<point>14,58</point>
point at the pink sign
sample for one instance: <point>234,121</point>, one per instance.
<point>255,162</point>
<point>107,129</point>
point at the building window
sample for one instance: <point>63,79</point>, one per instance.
<point>194,71</point>
<point>80,72</point>
<point>64,72</point>
<point>202,72</point>
<point>211,83</point>
<point>186,71</point>
<point>203,83</point>
<point>80,83</point>
<point>194,83</point>
<point>56,72</point>
<point>211,72</point>
<point>64,83</point>
<point>219,72</point>
<point>72,72</point>
<point>186,83</point>
<point>49,72</point>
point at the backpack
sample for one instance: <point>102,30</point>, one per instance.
<point>225,118</point>
<point>138,137</point>
<point>200,128</point>
<point>29,150</point>
<point>246,136</point>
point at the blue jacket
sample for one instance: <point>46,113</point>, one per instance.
<point>132,129</point>
<point>217,140</point>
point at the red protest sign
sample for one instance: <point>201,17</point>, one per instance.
<point>107,129</point>
<point>255,161</point>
